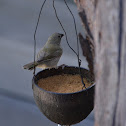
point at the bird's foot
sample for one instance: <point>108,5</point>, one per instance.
<point>63,66</point>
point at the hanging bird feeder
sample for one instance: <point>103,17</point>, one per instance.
<point>63,107</point>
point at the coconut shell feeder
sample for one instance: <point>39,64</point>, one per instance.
<point>61,107</point>
<point>64,108</point>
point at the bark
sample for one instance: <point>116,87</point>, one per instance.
<point>88,51</point>
<point>105,24</point>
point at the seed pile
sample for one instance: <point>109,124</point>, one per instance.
<point>63,83</point>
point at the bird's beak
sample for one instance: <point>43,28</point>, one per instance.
<point>62,35</point>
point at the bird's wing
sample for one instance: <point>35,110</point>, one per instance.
<point>47,54</point>
<point>41,54</point>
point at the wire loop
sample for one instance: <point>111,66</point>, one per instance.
<point>76,53</point>
<point>35,34</point>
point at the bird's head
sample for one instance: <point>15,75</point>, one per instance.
<point>55,38</point>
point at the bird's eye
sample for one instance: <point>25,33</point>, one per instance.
<point>59,36</point>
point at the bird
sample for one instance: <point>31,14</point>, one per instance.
<point>49,55</point>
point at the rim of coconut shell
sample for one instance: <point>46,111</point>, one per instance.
<point>51,92</point>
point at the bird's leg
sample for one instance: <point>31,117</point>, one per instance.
<point>63,125</point>
<point>63,65</point>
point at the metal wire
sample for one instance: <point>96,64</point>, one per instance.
<point>63,28</point>
<point>79,61</point>
<point>74,26</point>
<point>35,35</point>
<point>77,54</point>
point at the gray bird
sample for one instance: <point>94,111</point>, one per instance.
<point>49,55</point>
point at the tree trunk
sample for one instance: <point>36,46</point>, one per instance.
<point>105,25</point>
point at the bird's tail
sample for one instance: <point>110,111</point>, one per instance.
<point>30,66</point>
